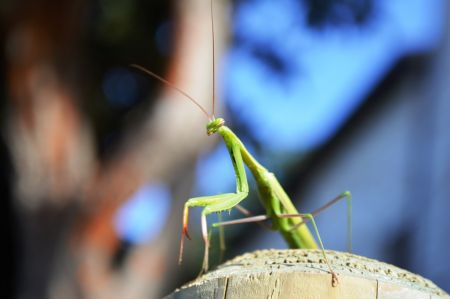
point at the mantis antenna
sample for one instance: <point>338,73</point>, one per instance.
<point>170,84</point>
<point>150,73</point>
<point>213,63</point>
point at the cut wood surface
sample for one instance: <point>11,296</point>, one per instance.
<point>303,273</point>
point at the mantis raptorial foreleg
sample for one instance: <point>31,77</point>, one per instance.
<point>216,203</point>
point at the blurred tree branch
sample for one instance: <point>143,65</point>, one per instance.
<point>54,155</point>
<point>48,137</point>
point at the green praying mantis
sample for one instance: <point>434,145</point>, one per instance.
<point>278,206</point>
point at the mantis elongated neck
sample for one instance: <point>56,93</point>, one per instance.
<point>230,138</point>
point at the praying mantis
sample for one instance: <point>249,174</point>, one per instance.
<point>278,206</point>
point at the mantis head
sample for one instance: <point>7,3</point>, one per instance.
<point>214,125</point>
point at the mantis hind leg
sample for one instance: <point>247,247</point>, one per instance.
<point>348,196</point>
<point>307,217</point>
<point>310,217</point>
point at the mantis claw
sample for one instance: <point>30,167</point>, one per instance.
<point>186,233</point>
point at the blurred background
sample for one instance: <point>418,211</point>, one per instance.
<point>97,159</point>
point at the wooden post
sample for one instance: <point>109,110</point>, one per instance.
<point>303,274</point>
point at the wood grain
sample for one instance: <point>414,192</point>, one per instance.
<point>303,274</point>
